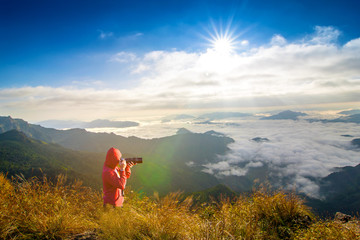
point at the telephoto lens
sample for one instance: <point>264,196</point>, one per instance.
<point>134,159</point>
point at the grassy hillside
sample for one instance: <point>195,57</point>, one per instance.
<point>33,209</point>
<point>20,154</point>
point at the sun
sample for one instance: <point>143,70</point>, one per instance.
<point>223,44</point>
<point>222,39</point>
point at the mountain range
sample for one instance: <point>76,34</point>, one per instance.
<point>352,116</point>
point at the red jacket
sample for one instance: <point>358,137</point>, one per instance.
<point>114,180</point>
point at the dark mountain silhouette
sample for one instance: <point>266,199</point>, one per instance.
<point>347,135</point>
<point>355,118</point>
<point>183,131</point>
<point>214,133</point>
<point>341,191</point>
<point>285,115</point>
<point>350,112</point>
<point>260,139</point>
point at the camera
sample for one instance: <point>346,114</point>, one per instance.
<point>134,159</point>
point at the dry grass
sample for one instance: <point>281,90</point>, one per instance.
<point>331,230</point>
<point>165,218</point>
<point>263,215</point>
<point>34,209</point>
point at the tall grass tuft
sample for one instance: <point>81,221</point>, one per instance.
<point>166,218</point>
<point>263,215</point>
<point>331,230</point>
<point>40,209</point>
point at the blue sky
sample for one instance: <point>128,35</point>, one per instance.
<point>54,51</point>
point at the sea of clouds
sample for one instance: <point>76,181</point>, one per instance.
<point>297,153</point>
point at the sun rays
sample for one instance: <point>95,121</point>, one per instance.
<point>222,39</point>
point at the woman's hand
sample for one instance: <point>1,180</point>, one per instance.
<point>122,164</point>
<point>131,164</point>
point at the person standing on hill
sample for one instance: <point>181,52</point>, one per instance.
<point>114,176</point>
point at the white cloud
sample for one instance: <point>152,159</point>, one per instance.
<point>104,35</point>
<point>325,35</point>
<point>244,43</point>
<point>312,71</point>
<point>278,40</point>
<point>123,57</point>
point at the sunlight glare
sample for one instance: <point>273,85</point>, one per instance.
<point>222,39</point>
<point>223,45</point>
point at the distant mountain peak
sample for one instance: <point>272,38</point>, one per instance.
<point>214,133</point>
<point>355,118</point>
<point>260,139</point>
<point>285,115</point>
<point>183,131</point>
<point>350,112</point>
<point>15,135</point>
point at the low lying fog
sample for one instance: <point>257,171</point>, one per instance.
<point>298,151</point>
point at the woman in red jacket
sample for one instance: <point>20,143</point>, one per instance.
<point>114,176</point>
